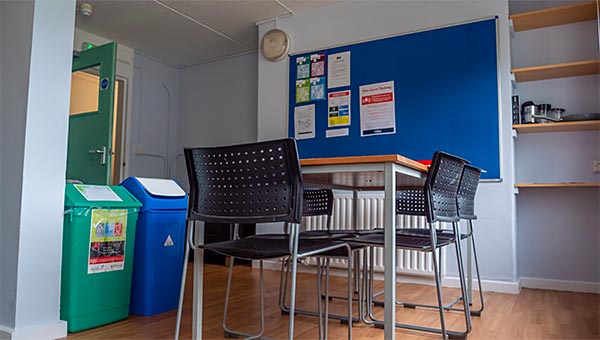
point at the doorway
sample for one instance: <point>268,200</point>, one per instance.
<point>85,89</point>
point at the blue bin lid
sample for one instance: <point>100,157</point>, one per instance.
<point>157,194</point>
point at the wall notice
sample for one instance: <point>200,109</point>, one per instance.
<point>107,240</point>
<point>377,109</point>
<point>338,104</point>
<point>338,70</point>
<point>304,121</point>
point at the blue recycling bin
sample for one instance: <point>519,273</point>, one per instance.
<point>160,244</point>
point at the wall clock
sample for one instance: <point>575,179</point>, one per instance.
<point>275,45</point>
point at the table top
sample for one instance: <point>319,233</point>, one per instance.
<point>398,159</point>
<point>361,172</point>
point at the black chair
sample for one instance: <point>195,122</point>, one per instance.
<point>438,202</point>
<point>319,202</point>
<point>251,183</point>
<point>411,202</point>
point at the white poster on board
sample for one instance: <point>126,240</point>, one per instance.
<point>304,121</point>
<point>377,109</point>
<point>338,70</point>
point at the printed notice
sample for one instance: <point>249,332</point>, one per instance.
<point>302,67</point>
<point>338,104</point>
<point>317,64</point>
<point>377,109</point>
<point>98,193</point>
<point>337,133</point>
<point>317,88</point>
<point>304,121</point>
<point>107,241</point>
<point>338,70</point>
<point>302,90</point>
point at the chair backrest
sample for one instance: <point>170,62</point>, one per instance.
<point>411,202</point>
<point>441,187</point>
<point>248,183</point>
<point>466,192</point>
<point>317,202</point>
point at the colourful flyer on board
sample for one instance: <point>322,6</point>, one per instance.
<point>317,64</point>
<point>317,88</point>
<point>107,240</point>
<point>377,109</point>
<point>338,108</point>
<point>302,90</point>
<point>302,67</point>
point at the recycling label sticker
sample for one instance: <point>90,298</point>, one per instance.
<point>168,241</point>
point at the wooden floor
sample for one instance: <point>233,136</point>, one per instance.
<point>533,314</point>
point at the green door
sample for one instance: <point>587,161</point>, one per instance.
<point>91,125</point>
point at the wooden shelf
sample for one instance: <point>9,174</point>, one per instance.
<point>584,125</point>
<point>554,16</point>
<point>557,185</point>
<point>572,69</point>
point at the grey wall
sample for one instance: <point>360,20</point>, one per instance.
<point>155,110</point>
<point>218,105</point>
<point>349,22</point>
<point>37,40</point>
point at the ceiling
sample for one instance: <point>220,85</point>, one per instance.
<point>185,33</point>
<point>189,32</point>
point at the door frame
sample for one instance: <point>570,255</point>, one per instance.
<point>124,72</point>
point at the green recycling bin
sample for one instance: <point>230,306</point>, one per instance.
<point>98,240</point>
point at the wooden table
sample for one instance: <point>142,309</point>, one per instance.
<point>384,172</point>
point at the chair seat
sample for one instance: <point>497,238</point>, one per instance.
<point>408,242</point>
<point>424,232</point>
<point>440,233</point>
<point>262,248</point>
<point>335,234</point>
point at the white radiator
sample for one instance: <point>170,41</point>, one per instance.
<point>370,215</point>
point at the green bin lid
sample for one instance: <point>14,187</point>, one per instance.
<point>101,196</point>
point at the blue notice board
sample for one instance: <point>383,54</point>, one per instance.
<point>445,89</point>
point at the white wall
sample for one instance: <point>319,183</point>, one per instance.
<point>37,40</point>
<point>348,22</point>
<point>155,110</point>
<point>218,103</point>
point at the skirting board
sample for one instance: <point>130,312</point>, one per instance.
<point>562,285</point>
<point>52,330</point>
<point>488,285</point>
<point>506,287</point>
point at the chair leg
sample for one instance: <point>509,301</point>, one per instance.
<point>472,237</point>
<point>319,301</point>
<point>294,259</point>
<point>461,273</point>
<point>438,283</point>
<point>183,278</point>
<point>232,333</point>
<point>283,285</point>
<point>326,319</point>
<point>350,288</point>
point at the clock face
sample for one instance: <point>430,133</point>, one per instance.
<point>275,45</point>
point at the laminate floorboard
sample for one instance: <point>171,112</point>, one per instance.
<point>533,314</point>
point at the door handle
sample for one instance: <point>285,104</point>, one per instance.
<point>101,152</point>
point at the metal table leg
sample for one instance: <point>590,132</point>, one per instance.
<point>389,219</point>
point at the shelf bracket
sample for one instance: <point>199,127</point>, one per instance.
<point>511,28</point>
<point>514,134</point>
<point>516,190</point>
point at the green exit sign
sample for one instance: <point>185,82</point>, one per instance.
<point>86,46</point>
